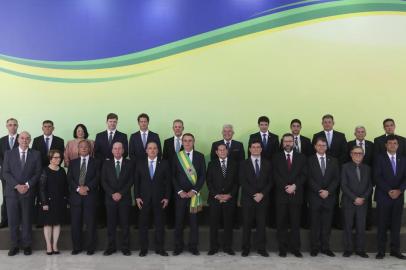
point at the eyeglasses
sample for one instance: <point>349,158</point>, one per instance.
<point>357,153</point>
<point>56,157</point>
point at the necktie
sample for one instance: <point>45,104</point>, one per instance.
<point>362,145</point>
<point>11,142</point>
<point>264,141</point>
<point>118,168</point>
<point>223,167</point>
<point>256,167</point>
<point>110,137</point>
<point>22,159</point>
<point>297,145</point>
<point>329,139</point>
<point>323,165</point>
<point>144,139</point>
<point>151,169</point>
<point>177,146</point>
<point>289,161</point>
<point>358,171</point>
<point>47,143</point>
<point>227,145</point>
<point>82,173</point>
<point>393,162</point>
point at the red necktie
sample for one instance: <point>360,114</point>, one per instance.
<point>289,161</point>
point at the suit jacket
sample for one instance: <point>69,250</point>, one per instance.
<point>235,152</point>
<point>169,150</point>
<point>283,177</point>
<point>271,148</point>
<point>14,174</point>
<point>369,151</point>
<point>111,184</point>
<point>39,145</point>
<point>251,184</point>
<point>379,145</point>
<point>137,150</point>
<point>218,184</point>
<point>4,147</point>
<point>338,147</point>
<point>155,189</point>
<point>179,177</point>
<point>306,146</point>
<point>317,181</point>
<point>386,180</point>
<point>350,185</point>
<point>102,149</point>
<point>91,180</point>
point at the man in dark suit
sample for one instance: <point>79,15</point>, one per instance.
<point>152,192</point>
<point>83,178</point>
<point>255,181</point>
<point>117,179</point>
<point>21,170</point>
<point>337,148</point>
<point>269,141</point>
<point>323,180</point>
<point>380,142</point>
<point>222,182</point>
<point>390,179</point>
<point>235,148</point>
<point>189,175</point>
<point>356,186</point>
<point>7,143</point>
<point>368,147</point>
<point>48,141</point>
<point>289,175</point>
<point>103,151</point>
<point>140,139</point>
<point>172,146</point>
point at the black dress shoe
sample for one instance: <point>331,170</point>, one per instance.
<point>229,251</point>
<point>162,253</point>
<point>328,253</point>
<point>109,251</point>
<point>3,225</point>
<point>194,251</point>
<point>297,254</point>
<point>380,255</point>
<point>126,252</point>
<point>362,254</point>
<point>398,255</point>
<point>27,251</point>
<point>314,252</point>
<point>49,253</point>
<point>347,253</point>
<point>76,251</point>
<point>282,254</point>
<point>143,253</point>
<point>13,251</point>
<point>90,252</point>
<point>263,253</point>
<point>56,252</point>
<point>177,251</point>
<point>245,253</point>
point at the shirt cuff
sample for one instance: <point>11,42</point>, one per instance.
<point>28,185</point>
<point>77,190</point>
<point>180,191</point>
<point>195,191</point>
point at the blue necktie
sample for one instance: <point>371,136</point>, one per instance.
<point>264,140</point>
<point>144,139</point>
<point>177,145</point>
<point>151,169</point>
<point>393,162</point>
<point>256,167</point>
<point>11,142</point>
<point>328,139</point>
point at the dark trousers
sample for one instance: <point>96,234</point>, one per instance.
<point>170,213</point>
<point>288,214</point>
<point>159,225</point>
<point>182,211</point>
<point>4,219</point>
<point>357,214</point>
<point>220,211</point>
<point>389,217</point>
<point>84,213</point>
<point>118,213</point>
<point>320,229</point>
<point>101,207</point>
<point>254,212</point>
<point>369,219</point>
<point>19,210</point>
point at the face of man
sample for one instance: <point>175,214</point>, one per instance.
<point>83,149</point>
<point>287,143</point>
<point>228,133</point>
<point>256,149</point>
<point>177,129</point>
<point>24,140</point>
<point>392,146</point>
<point>117,150</point>
<point>295,128</point>
<point>152,150</point>
<point>360,134</point>
<point>112,124</point>
<point>389,127</point>
<point>263,126</point>
<point>47,128</point>
<point>327,124</point>
<point>143,123</point>
<point>357,155</point>
<point>321,147</point>
<point>12,127</point>
<point>222,151</point>
<point>188,142</point>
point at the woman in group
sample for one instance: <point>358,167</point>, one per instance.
<point>54,195</point>
<point>71,150</point>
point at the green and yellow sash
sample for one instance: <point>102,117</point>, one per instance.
<point>189,169</point>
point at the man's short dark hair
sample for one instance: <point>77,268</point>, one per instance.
<point>388,120</point>
<point>295,121</point>
<point>391,137</point>
<point>112,116</point>
<point>221,144</point>
<point>48,122</point>
<point>320,139</point>
<point>143,115</point>
<point>188,134</point>
<point>253,142</point>
<point>287,135</point>
<point>327,116</point>
<point>263,119</point>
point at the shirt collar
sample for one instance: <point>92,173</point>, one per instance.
<point>319,156</point>
<point>114,131</point>
<point>226,159</point>
<point>119,160</point>
<point>154,160</point>
<point>50,137</point>
<point>21,150</point>
<point>146,132</point>
<point>266,133</point>
<point>390,155</point>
